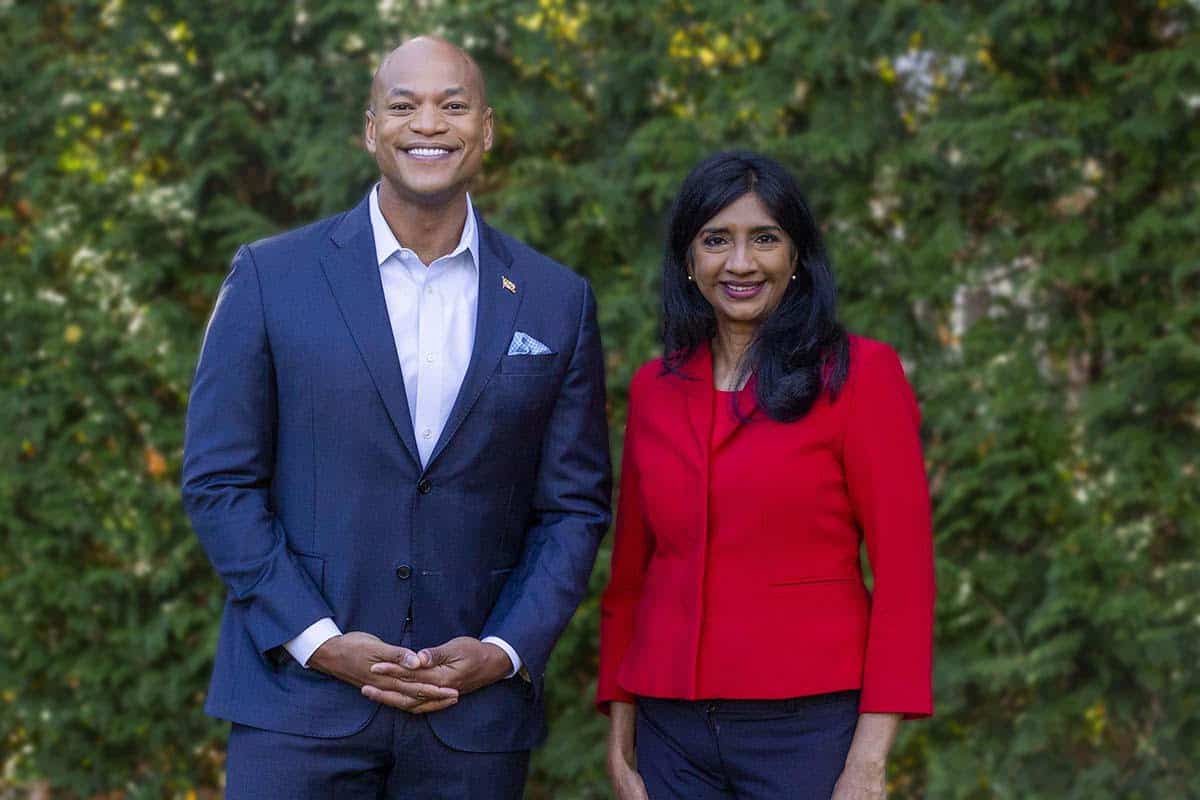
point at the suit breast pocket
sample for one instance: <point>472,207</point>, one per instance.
<point>543,364</point>
<point>517,405</point>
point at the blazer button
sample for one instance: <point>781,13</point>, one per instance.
<point>424,486</point>
<point>403,571</point>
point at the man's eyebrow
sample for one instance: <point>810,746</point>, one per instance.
<point>448,92</point>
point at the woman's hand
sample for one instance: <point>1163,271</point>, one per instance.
<point>864,777</point>
<point>861,782</point>
<point>622,759</point>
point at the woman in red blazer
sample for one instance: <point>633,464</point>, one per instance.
<point>741,653</point>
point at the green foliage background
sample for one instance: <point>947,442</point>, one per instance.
<point>1009,191</point>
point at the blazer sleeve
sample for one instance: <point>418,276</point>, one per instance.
<point>228,463</point>
<point>570,509</point>
<point>632,547</point>
<point>885,476</point>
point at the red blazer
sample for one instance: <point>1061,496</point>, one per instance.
<point>736,569</point>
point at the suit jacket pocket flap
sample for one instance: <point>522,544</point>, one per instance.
<point>528,364</point>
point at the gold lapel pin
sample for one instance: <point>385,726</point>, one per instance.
<point>512,287</point>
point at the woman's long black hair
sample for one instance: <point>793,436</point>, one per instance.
<point>800,349</point>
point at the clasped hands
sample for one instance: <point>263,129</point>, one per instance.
<point>416,682</point>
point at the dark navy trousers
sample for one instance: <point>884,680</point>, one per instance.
<point>744,749</point>
<point>397,755</point>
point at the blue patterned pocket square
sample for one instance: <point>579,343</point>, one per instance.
<point>523,344</point>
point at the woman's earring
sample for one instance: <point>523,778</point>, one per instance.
<point>793,276</point>
<point>690,277</point>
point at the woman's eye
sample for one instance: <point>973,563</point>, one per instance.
<point>713,240</point>
<point>766,238</point>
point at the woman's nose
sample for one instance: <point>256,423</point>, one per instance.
<point>740,258</point>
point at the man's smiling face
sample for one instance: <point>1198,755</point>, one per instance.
<point>429,125</point>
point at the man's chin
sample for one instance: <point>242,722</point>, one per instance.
<point>428,193</point>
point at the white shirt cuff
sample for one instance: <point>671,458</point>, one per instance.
<point>315,635</point>
<point>512,654</point>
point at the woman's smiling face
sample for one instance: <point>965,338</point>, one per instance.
<point>742,262</point>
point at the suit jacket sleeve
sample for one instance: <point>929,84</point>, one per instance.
<point>229,462</point>
<point>632,546</point>
<point>570,508</point>
<point>885,475</point>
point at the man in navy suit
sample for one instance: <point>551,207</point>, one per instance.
<point>397,461</point>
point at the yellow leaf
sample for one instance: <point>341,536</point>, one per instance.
<point>679,46</point>
<point>156,465</point>
<point>530,22</point>
<point>73,334</point>
<point>1096,718</point>
<point>179,32</point>
<point>885,70</point>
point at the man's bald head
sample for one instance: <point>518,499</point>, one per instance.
<point>428,123</point>
<point>420,50</point>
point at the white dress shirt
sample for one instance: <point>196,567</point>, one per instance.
<point>432,311</point>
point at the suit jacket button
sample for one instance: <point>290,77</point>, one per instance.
<point>424,487</point>
<point>403,571</point>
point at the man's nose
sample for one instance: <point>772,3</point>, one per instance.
<point>428,120</point>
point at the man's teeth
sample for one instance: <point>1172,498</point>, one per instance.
<point>428,151</point>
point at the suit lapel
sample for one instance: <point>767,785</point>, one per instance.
<point>708,411</point>
<point>698,390</point>
<point>494,323</point>
<point>727,425</point>
<point>353,274</point>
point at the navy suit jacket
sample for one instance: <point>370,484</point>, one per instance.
<point>302,480</point>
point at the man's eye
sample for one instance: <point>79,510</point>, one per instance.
<point>456,106</point>
<point>400,107</point>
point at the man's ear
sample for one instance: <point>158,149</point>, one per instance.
<point>488,129</point>
<point>369,131</point>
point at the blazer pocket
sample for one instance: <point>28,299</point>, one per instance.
<point>528,364</point>
<point>786,581</point>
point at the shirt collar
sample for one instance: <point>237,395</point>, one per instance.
<point>386,244</point>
